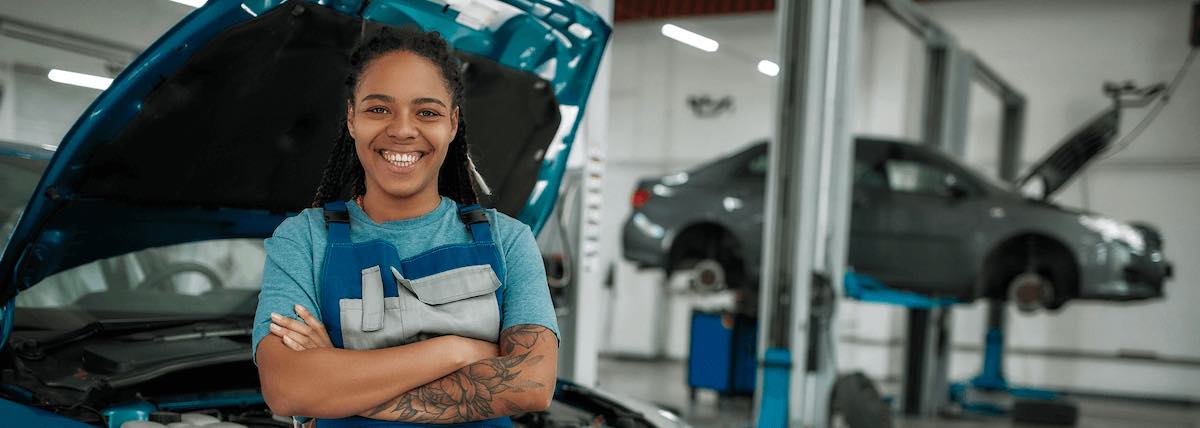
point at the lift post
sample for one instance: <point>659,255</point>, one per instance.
<point>950,70</point>
<point>807,211</point>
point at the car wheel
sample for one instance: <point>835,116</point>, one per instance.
<point>856,403</point>
<point>1031,291</point>
<point>708,276</point>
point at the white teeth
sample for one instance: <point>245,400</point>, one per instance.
<point>401,159</point>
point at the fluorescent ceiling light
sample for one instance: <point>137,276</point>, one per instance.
<point>695,40</point>
<point>79,79</point>
<point>768,68</point>
<point>192,3</point>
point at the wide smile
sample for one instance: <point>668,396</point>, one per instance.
<point>401,162</point>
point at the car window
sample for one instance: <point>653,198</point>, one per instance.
<point>218,277</point>
<point>757,166</point>
<point>869,176</point>
<point>910,176</point>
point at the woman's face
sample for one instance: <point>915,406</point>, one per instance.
<point>402,121</point>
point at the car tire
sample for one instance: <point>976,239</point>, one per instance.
<point>856,403</point>
<point>1048,412</point>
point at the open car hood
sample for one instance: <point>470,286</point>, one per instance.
<point>222,127</point>
<point>1071,156</point>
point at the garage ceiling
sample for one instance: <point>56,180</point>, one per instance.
<point>631,10</point>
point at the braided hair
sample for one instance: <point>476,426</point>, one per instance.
<point>344,177</point>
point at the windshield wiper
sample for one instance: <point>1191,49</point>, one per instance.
<point>199,334</point>
<point>36,349</point>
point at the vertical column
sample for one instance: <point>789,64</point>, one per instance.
<point>926,360</point>
<point>806,206</point>
<point>578,355</point>
<point>947,94</point>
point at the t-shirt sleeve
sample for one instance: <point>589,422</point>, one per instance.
<point>526,294</point>
<point>287,277</point>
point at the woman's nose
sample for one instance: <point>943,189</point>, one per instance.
<point>402,127</point>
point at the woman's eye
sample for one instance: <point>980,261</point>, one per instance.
<point>377,110</point>
<point>428,113</point>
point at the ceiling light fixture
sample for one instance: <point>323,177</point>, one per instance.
<point>79,79</point>
<point>695,40</point>
<point>768,68</point>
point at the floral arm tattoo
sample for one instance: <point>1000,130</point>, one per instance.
<point>483,390</point>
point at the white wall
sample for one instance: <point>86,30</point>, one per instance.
<point>653,132</point>
<point>33,109</point>
<point>1058,54</point>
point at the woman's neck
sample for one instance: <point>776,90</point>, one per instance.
<point>382,208</point>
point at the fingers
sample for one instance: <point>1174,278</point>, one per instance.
<point>318,335</point>
<point>291,339</point>
<point>309,319</point>
<point>291,324</point>
<point>291,343</point>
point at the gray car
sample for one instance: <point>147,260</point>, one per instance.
<point>921,222</point>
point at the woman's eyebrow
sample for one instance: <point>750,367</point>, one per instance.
<point>381,97</point>
<point>428,101</point>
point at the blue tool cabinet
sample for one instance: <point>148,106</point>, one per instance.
<point>721,353</point>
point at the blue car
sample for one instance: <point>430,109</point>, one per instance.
<point>133,257</point>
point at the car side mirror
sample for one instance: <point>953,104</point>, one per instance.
<point>954,188</point>
<point>957,191</point>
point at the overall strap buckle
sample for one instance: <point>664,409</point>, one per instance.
<point>335,212</point>
<point>473,216</point>
<point>337,222</point>
<point>336,217</point>
<point>476,221</point>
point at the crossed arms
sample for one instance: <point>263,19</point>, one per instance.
<point>447,379</point>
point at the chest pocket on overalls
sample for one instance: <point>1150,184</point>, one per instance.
<point>459,301</point>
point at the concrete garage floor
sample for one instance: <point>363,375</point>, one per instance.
<point>663,382</point>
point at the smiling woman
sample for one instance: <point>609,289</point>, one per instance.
<point>428,308</point>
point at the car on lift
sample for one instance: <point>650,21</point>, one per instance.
<point>920,222</point>
<point>133,253</point>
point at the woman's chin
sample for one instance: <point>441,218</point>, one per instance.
<point>408,191</point>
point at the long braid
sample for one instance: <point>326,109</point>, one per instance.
<point>343,177</point>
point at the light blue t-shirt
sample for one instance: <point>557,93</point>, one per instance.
<point>296,251</point>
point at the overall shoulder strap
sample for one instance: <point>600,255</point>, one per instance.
<point>337,222</point>
<point>474,217</point>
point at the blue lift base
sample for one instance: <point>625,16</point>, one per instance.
<point>991,383</point>
<point>987,393</point>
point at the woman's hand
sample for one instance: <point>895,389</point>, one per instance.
<point>300,335</point>
<point>309,333</point>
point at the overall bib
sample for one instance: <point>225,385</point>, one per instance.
<point>372,299</point>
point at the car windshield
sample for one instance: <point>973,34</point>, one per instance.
<point>215,278</point>
<point>198,279</point>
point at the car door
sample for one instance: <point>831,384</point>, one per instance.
<point>869,249</point>
<point>927,220</point>
<point>744,203</point>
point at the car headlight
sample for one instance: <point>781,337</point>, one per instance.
<point>1112,230</point>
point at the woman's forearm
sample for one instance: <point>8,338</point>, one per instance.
<point>522,380</point>
<point>334,383</point>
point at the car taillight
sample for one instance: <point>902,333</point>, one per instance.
<point>640,196</point>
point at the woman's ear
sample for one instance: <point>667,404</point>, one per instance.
<point>454,123</point>
<point>350,118</point>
